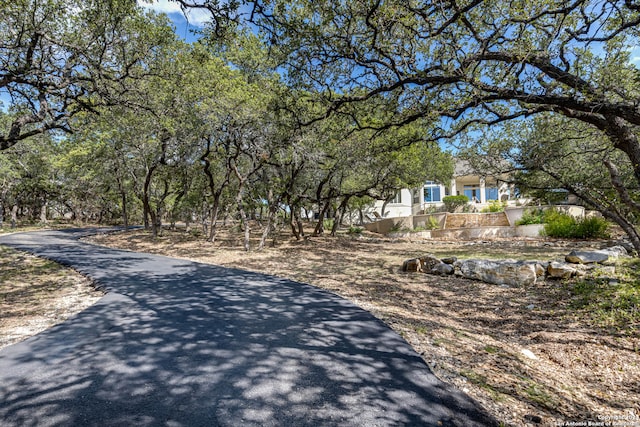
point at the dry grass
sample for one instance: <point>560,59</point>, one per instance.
<point>36,294</point>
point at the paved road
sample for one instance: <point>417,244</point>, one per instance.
<point>177,343</point>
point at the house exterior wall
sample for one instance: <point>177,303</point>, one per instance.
<point>429,197</point>
<point>400,207</point>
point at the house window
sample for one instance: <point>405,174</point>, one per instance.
<point>472,192</point>
<point>492,193</point>
<point>432,192</point>
<point>397,199</point>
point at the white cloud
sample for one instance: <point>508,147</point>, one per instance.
<point>198,17</point>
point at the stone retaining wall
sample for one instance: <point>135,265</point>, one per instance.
<point>466,220</point>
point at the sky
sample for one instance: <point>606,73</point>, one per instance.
<point>184,22</point>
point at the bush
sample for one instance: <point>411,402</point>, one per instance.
<point>559,224</point>
<point>494,206</point>
<point>562,225</point>
<point>354,230</point>
<point>453,203</point>
<point>433,224</point>
<point>534,216</point>
<point>593,228</point>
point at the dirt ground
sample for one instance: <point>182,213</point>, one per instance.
<point>521,352</point>
<point>36,294</point>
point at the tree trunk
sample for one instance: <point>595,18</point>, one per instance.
<point>125,214</point>
<point>294,230</point>
<point>339,215</point>
<point>43,213</point>
<point>146,204</point>
<point>245,222</point>
<point>213,219</point>
<point>14,216</point>
<point>320,224</point>
<point>384,207</point>
<point>271,214</point>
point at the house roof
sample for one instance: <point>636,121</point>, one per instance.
<point>464,168</point>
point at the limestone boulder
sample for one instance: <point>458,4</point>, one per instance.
<point>616,252</point>
<point>450,260</point>
<point>427,262</point>
<point>560,270</point>
<point>507,272</point>
<point>586,257</point>
<point>539,267</point>
<point>443,269</point>
<point>600,256</point>
<point>413,264</point>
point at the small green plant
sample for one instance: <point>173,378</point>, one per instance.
<point>494,206</point>
<point>397,226</point>
<point>354,230</point>
<point>538,393</point>
<point>454,203</point>
<point>531,216</point>
<point>327,224</point>
<point>433,223</point>
<point>491,349</point>
<point>593,227</point>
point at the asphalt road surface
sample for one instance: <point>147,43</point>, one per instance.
<point>178,343</point>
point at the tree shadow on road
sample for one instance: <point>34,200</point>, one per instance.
<point>180,343</point>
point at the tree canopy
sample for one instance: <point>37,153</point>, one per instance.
<point>61,57</point>
<point>467,65</point>
<point>297,103</point>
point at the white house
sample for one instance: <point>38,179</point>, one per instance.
<point>477,187</point>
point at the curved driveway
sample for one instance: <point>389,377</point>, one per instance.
<point>178,343</point>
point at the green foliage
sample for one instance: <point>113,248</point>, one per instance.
<point>531,216</point>
<point>397,226</point>
<point>494,206</point>
<point>593,227</point>
<point>454,203</point>
<point>355,230</point>
<point>562,225</point>
<point>433,223</point>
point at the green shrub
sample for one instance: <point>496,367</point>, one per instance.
<point>559,224</point>
<point>494,206</point>
<point>354,230</point>
<point>531,216</point>
<point>593,228</point>
<point>397,226</point>
<point>562,225</point>
<point>433,223</point>
<point>453,203</point>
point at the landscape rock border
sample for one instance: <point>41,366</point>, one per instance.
<point>512,272</point>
